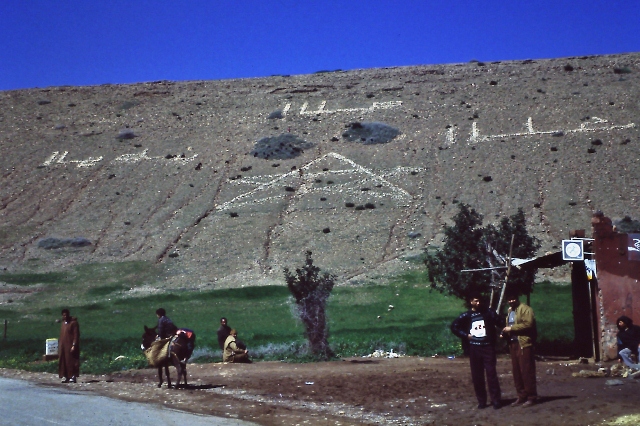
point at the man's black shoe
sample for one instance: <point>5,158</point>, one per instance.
<point>497,405</point>
<point>482,405</point>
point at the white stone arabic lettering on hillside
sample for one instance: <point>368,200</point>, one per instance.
<point>594,125</point>
<point>352,188</point>
<point>57,158</point>
<point>322,110</point>
<point>134,158</point>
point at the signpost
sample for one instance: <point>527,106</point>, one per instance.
<point>572,250</point>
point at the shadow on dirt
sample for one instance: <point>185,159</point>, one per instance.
<point>540,400</point>
<point>199,387</point>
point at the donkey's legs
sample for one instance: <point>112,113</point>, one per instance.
<point>179,368</point>
<point>184,370</point>
<point>159,377</point>
<point>166,370</point>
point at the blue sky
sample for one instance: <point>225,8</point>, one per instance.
<point>87,42</point>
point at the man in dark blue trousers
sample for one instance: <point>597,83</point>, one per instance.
<point>478,326</point>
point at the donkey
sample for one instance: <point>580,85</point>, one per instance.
<point>180,349</point>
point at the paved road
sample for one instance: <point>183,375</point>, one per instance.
<point>24,403</point>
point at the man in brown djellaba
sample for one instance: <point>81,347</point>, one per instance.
<point>69,348</point>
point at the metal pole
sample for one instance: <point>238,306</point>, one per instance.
<point>596,355</point>
<point>506,279</point>
<point>491,298</point>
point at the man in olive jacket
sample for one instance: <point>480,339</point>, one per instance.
<point>521,332</point>
<point>232,351</point>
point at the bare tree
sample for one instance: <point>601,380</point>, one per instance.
<point>311,291</point>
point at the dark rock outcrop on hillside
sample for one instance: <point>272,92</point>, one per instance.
<point>370,133</point>
<point>186,173</point>
<point>282,147</point>
<point>56,243</point>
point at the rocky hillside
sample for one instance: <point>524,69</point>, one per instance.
<point>225,182</point>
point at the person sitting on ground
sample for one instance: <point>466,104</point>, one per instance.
<point>628,341</point>
<point>223,333</point>
<point>165,328</point>
<point>233,353</point>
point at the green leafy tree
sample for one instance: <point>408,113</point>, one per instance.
<point>469,246</point>
<point>311,290</point>
<point>462,249</point>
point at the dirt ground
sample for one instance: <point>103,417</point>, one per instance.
<point>404,391</point>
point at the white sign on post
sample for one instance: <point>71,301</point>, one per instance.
<point>51,347</point>
<point>572,250</point>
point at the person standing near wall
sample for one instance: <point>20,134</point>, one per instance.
<point>522,333</point>
<point>69,348</point>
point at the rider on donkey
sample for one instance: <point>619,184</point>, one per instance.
<point>165,344</point>
<point>166,327</point>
